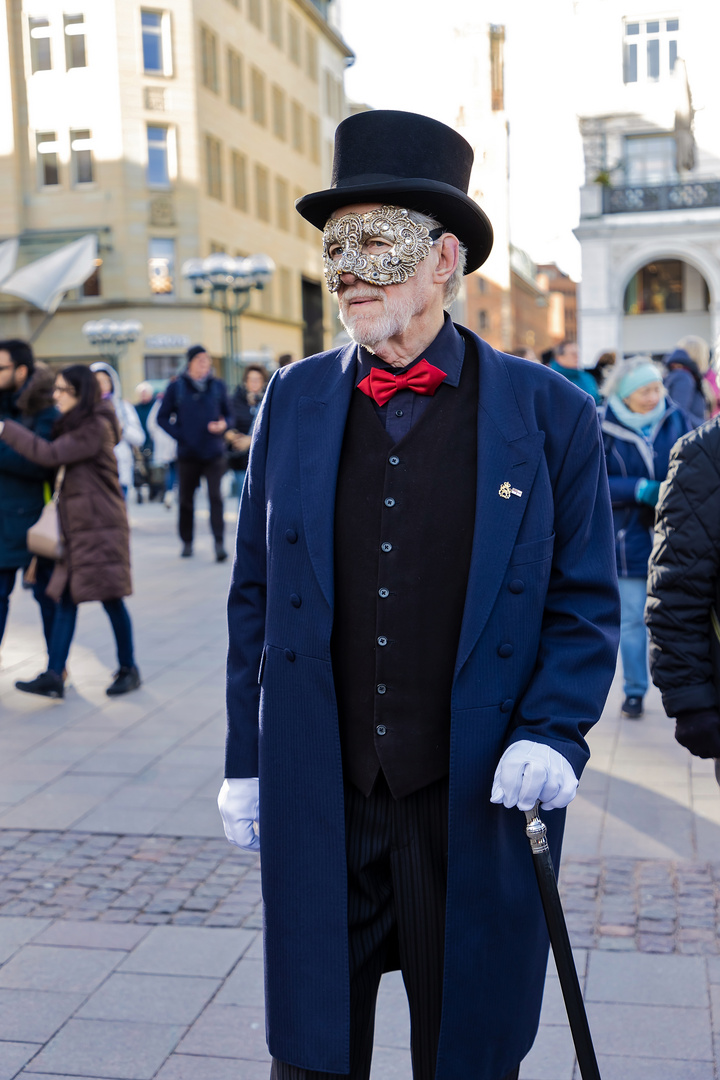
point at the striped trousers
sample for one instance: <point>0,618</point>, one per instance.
<point>397,883</point>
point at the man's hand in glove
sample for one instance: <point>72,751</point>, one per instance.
<point>698,730</point>
<point>239,810</point>
<point>529,771</point>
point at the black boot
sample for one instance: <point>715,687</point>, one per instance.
<point>126,679</point>
<point>220,552</point>
<point>186,551</point>
<point>48,684</point>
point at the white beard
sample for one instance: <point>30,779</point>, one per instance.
<point>371,330</point>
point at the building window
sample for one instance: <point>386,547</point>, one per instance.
<point>279,113</point>
<point>209,64</point>
<point>156,42</point>
<point>239,180</point>
<point>255,13</point>
<point>286,294</point>
<point>161,266</point>
<point>650,49</point>
<point>75,56</point>
<point>294,39</point>
<point>282,201</point>
<point>236,95</point>
<point>483,320</point>
<point>298,126</point>
<point>299,219</point>
<point>258,97</point>
<point>81,157</point>
<point>650,159</point>
<point>314,139</point>
<point>47,148</point>
<point>656,288</point>
<point>497,68</point>
<point>311,56</point>
<point>262,192</point>
<point>266,298</point>
<point>276,34</point>
<point>40,54</point>
<point>158,156</point>
<point>213,167</point>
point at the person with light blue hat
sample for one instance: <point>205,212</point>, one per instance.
<point>640,427</point>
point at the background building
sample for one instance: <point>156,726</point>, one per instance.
<point>650,207</point>
<point>170,130</point>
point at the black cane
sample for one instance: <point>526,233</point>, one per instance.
<point>536,833</point>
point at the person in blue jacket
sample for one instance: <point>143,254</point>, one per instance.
<point>423,623</point>
<point>640,427</point>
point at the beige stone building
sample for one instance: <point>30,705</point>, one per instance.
<point>171,129</point>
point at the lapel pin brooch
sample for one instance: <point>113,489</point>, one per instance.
<point>506,491</point>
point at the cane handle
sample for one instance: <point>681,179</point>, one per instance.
<point>536,831</point>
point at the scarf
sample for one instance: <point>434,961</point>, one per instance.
<point>645,424</point>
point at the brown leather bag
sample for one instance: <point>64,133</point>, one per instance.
<point>44,537</point>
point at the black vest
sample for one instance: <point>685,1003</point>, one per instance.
<point>404,517</point>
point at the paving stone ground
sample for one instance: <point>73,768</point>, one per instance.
<point>130,944</point>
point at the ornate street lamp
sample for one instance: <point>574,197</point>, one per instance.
<point>229,282</point>
<point>111,336</point>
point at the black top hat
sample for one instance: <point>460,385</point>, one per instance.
<point>404,159</point>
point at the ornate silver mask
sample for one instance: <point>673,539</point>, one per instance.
<point>381,247</point>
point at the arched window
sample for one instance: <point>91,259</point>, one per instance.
<point>666,285</point>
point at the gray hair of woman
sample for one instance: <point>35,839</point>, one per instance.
<point>627,374</point>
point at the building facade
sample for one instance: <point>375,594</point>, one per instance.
<point>171,131</point>
<point>650,206</point>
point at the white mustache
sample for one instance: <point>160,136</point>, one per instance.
<point>351,293</point>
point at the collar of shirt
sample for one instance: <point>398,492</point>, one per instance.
<point>445,352</point>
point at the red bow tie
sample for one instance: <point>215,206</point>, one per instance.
<point>381,385</point>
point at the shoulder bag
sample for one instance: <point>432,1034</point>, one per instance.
<point>44,537</point>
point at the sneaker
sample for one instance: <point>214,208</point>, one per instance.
<point>168,500</point>
<point>220,552</point>
<point>126,679</point>
<point>47,684</point>
<point>632,707</point>
<point>186,552</point>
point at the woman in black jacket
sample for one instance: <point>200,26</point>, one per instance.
<point>683,587</point>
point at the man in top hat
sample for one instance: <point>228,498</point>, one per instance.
<point>423,626</point>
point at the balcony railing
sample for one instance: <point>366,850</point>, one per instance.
<point>633,199</point>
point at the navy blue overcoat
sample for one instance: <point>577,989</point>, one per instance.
<point>542,579</point>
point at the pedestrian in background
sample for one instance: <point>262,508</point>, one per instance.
<point>245,404</point>
<point>567,363</point>
<point>687,365</point>
<point>640,427</point>
<point>26,389</point>
<point>145,472</point>
<point>196,412</point>
<point>131,430</point>
<point>526,353</point>
<point>93,523</point>
<point>682,609</point>
<point>601,371</point>
<point>164,452</point>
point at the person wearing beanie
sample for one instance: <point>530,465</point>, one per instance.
<point>196,412</point>
<point>687,367</point>
<point>640,427</point>
<point>423,623</point>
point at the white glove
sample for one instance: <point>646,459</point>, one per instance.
<point>239,810</point>
<point>529,771</point>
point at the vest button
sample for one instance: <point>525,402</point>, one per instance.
<point>517,586</point>
<point>389,502</point>
<point>382,641</point>
<point>290,655</point>
<point>399,412</point>
<point>386,546</point>
<point>291,536</point>
<point>381,688</point>
<point>381,729</point>
<point>506,706</point>
<point>383,593</point>
<point>394,459</point>
<point>505,651</point>
<point>295,600</point>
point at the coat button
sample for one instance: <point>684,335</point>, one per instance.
<point>517,586</point>
<point>291,536</point>
<point>289,655</point>
<point>507,705</point>
<point>382,641</point>
<point>386,547</point>
<point>381,688</point>
<point>383,593</point>
<point>505,651</point>
<point>394,459</point>
<point>295,600</point>
<point>389,502</point>
<point>381,729</point>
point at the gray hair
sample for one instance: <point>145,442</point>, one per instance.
<point>624,367</point>
<point>697,349</point>
<point>453,283</point>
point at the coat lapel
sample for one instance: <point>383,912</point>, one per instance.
<point>321,426</point>
<point>507,455</point>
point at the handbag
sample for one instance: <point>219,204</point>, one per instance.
<point>44,537</point>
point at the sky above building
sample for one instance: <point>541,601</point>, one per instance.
<point>406,59</point>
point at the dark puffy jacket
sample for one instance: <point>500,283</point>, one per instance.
<point>684,385</point>
<point>683,579</point>
<point>186,412</point>
<point>630,457</point>
<point>22,484</point>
